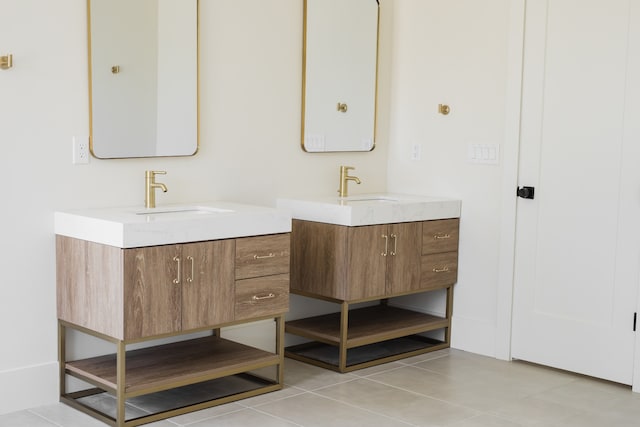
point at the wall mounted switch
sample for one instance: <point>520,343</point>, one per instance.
<point>483,153</point>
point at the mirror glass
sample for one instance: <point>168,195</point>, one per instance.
<point>143,77</point>
<point>339,80</point>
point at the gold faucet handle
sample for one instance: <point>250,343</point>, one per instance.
<point>344,171</point>
<point>152,174</point>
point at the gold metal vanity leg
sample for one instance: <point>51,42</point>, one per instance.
<point>344,330</point>
<point>121,384</point>
<point>449,312</point>
<point>62,357</point>
<point>280,348</point>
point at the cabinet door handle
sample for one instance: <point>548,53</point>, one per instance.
<point>190,278</point>
<point>441,269</point>
<point>177,279</point>
<point>395,244</point>
<point>441,236</point>
<point>271,255</point>
<point>386,245</point>
<point>263,297</point>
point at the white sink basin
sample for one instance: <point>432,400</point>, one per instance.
<point>183,210</point>
<point>131,227</point>
<point>370,209</point>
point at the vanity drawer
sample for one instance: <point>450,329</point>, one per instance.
<point>440,236</point>
<point>438,270</point>
<point>262,256</point>
<point>262,296</point>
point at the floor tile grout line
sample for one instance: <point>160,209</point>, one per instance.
<point>210,418</point>
<point>457,405</point>
<point>301,392</point>
<point>275,416</point>
<point>44,418</point>
<point>363,409</point>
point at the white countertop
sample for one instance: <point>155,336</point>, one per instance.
<point>129,227</point>
<point>370,209</point>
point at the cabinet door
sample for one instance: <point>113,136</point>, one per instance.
<point>207,283</point>
<point>152,301</point>
<point>405,248</point>
<point>369,247</point>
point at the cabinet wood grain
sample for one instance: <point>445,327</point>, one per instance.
<point>439,270</point>
<point>318,258</point>
<point>440,236</point>
<point>262,296</point>
<point>366,263</point>
<point>87,276</point>
<point>262,256</point>
<point>152,301</point>
<point>404,265</point>
<point>208,298</point>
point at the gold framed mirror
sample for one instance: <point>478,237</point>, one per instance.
<point>143,78</point>
<point>340,62</point>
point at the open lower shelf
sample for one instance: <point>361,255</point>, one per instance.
<point>364,355</point>
<point>172,365</point>
<point>366,325</point>
<point>139,407</point>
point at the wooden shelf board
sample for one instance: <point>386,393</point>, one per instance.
<point>172,365</point>
<point>328,356</point>
<point>366,325</point>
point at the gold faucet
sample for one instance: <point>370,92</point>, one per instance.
<point>344,177</point>
<point>150,186</point>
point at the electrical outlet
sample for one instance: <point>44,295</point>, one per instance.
<point>80,151</point>
<point>416,152</point>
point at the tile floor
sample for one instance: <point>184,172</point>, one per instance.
<point>444,388</point>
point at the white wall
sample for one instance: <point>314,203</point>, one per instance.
<point>454,53</point>
<point>431,52</point>
<point>250,152</point>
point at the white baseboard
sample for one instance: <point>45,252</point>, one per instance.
<point>29,387</point>
<point>473,335</point>
<point>468,334</point>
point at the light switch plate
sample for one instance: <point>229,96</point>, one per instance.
<point>488,154</point>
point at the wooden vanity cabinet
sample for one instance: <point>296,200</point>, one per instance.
<point>172,288</point>
<point>132,295</point>
<point>349,265</point>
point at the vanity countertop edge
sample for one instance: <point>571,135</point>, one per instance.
<point>130,227</point>
<point>371,209</point>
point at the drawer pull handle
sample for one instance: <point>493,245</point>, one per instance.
<point>190,278</point>
<point>441,269</point>
<point>441,236</point>
<point>386,245</point>
<point>271,255</point>
<point>262,297</point>
<point>176,281</point>
<point>395,244</point>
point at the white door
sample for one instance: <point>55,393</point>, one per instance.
<point>578,241</point>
